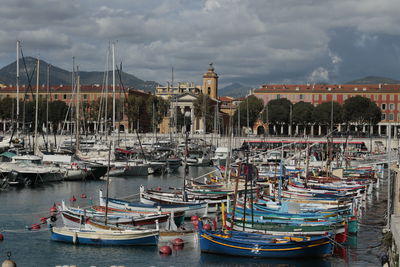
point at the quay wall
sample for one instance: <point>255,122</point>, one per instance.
<point>376,144</point>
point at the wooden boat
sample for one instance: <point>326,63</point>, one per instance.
<point>189,209</point>
<point>259,245</point>
<point>104,237</point>
<point>173,199</point>
<point>71,219</point>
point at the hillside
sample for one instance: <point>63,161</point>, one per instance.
<point>374,80</point>
<point>234,90</point>
<point>61,76</point>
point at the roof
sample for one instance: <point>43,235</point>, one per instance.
<point>332,88</point>
<point>8,154</point>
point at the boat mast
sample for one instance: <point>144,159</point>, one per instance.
<point>47,105</point>
<point>35,146</point>
<point>17,85</point>
<point>106,96</point>
<point>72,93</point>
<point>78,95</point>
<point>108,180</point>
<point>113,73</point>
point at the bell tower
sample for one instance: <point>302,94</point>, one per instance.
<point>210,83</point>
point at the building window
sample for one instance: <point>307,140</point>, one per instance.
<point>301,97</point>
<point>383,106</point>
<point>334,97</point>
<point>55,97</point>
<point>278,96</point>
<point>383,97</point>
<point>85,96</point>
<point>64,96</point>
<point>391,106</point>
<point>391,116</point>
<point>344,97</point>
<point>316,97</point>
<point>383,116</point>
<point>391,97</point>
<point>209,90</point>
<point>323,97</point>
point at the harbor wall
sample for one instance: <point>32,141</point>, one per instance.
<point>374,144</point>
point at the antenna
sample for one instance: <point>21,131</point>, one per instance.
<point>172,78</point>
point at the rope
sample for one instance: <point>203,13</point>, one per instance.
<point>23,214</point>
<point>335,242</point>
<point>23,231</point>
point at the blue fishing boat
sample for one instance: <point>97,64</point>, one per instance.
<point>259,245</point>
<point>105,237</point>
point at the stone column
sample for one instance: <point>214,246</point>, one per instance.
<point>192,120</point>
<point>319,130</point>
<point>312,130</point>
<point>379,129</point>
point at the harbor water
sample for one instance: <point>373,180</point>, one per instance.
<point>22,207</point>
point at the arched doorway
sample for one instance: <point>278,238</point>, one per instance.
<point>260,130</point>
<point>121,128</point>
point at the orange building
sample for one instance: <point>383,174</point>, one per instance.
<point>88,94</point>
<point>386,96</point>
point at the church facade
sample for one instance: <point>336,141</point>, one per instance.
<point>182,98</point>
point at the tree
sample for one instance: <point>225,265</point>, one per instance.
<point>135,108</point>
<point>6,108</point>
<point>57,112</point>
<point>279,111</point>
<point>361,110</point>
<point>302,113</point>
<point>322,113</point>
<point>157,108</point>
<point>255,107</point>
<point>205,107</point>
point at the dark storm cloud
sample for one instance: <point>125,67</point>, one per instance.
<point>249,41</point>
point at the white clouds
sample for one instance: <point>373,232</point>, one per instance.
<point>319,75</point>
<point>253,41</point>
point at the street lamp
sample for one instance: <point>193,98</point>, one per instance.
<point>290,118</point>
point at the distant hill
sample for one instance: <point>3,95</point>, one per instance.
<point>234,90</point>
<point>60,76</point>
<point>374,80</point>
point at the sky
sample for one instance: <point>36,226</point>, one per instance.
<point>252,42</point>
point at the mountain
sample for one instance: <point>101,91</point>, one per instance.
<point>61,76</point>
<point>374,80</point>
<point>234,90</point>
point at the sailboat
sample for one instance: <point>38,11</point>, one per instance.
<point>111,236</point>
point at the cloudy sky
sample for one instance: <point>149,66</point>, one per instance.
<point>249,41</point>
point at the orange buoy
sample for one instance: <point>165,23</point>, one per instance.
<point>178,242</point>
<point>207,227</point>
<point>73,199</point>
<point>166,250</point>
<point>194,218</point>
<point>35,226</point>
<point>83,196</point>
<point>1,237</point>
